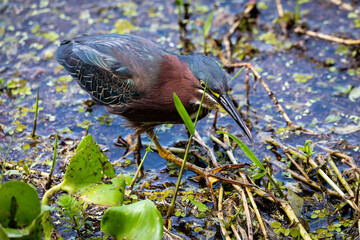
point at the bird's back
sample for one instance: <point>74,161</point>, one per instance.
<point>113,68</point>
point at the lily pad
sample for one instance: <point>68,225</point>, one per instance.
<point>91,176</point>
<point>20,211</point>
<point>105,194</point>
<point>332,118</point>
<point>19,204</point>
<point>87,167</point>
<point>140,220</point>
<point>347,129</point>
<point>3,234</point>
<point>354,94</point>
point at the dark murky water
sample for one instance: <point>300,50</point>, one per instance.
<point>308,80</point>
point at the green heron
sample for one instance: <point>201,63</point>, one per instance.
<point>136,79</point>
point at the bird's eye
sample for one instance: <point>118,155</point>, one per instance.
<point>203,85</point>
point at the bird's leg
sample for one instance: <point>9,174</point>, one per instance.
<point>215,119</point>
<point>208,174</point>
<point>167,155</point>
<point>130,147</point>
<point>136,149</point>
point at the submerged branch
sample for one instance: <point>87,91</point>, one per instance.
<point>327,37</point>
<point>342,5</point>
<point>315,166</point>
<point>272,96</point>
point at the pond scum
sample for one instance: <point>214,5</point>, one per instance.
<point>324,191</point>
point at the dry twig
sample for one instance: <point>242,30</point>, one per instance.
<point>346,159</point>
<point>242,175</point>
<point>303,179</point>
<point>287,209</point>
<point>342,5</point>
<point>221,215</point>
<point>298,167</point>
<point>236,234</point>
<point>238,188</point>
<point>279,8</point>
<point>272,96</point>
<point>227,42</point>
<point>340,177</point>
<point>315,165</point>
<point>219,52</point>
<point>327,37</point>
<point>280,11</point>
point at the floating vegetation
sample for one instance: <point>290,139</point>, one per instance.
<point>305,184</point>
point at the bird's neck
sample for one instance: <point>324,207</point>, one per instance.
<point>185,59</point>
<point>203,112</point>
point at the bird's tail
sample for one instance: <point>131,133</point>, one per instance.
<point>64,50</point>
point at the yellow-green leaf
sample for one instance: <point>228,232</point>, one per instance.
<point>246,150</point>
<point>208,22</point>
<point>184,114</point>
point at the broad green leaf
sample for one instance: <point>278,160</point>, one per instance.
<point>87,167</point>
<point>140,220</point>
<point>90,176</point>
<point>105,194</point>
<point>202,207</point>
<point>20,211</point>
<point>19,204</point>
<point>33,231</point>
<point>86,172</point>
<point>183,114</point>
<point>246,150</point>
<point>3,234</point>
<point>208,23</point>
<point>48,226</point>
<point>294,232</point>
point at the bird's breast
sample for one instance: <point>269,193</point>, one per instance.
<point>156,102</point>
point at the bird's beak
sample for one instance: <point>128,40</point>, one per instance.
<point>226,103</point>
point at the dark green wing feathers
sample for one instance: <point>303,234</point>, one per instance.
<point>97,67</point>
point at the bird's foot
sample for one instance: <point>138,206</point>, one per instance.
<point>210,175</point>
<point>169,156</point>
<point>130,146</point>
<point>125,143</point>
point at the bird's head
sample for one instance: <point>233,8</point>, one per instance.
<point>212,78</point>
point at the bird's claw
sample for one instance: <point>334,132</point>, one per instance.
<point>121,142</point>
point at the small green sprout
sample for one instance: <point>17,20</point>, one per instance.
<point>308,148</point>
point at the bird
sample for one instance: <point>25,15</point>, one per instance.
<point>136,79</point>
